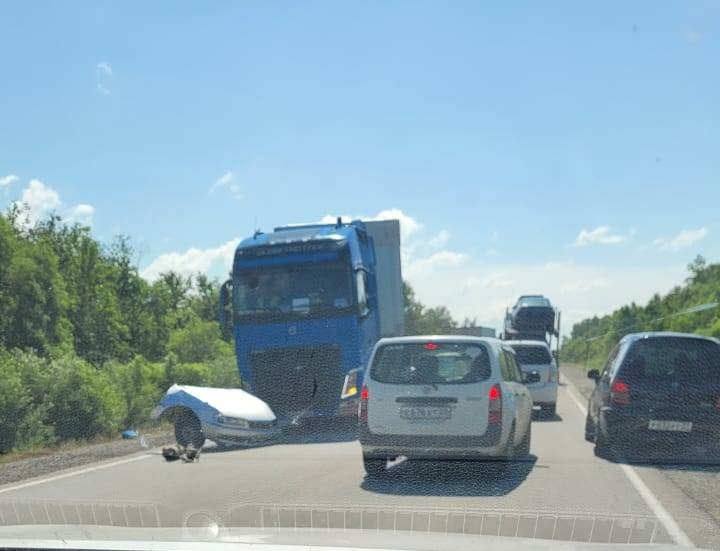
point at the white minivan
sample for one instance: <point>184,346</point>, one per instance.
<point>536,356</point>
<point>443,397</point>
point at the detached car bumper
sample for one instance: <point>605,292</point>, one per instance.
<point>231,435</point>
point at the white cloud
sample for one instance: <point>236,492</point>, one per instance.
<point>492,251</point>
<point>408,225</point>
<point>601,235</point>
<point>213,261</point>
<point>104,68</point>
<point>6,181</point>
<point>440,239</point>
<point>579,291</point>
<point>494,236</point>
<point>103,77</point>
<point>682,240</point>
<point>81,214</point>
<point>436,261</point>
<point>226,182</point>
<point>41,201</point>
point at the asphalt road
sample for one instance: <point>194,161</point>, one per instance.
<point>564,492</point>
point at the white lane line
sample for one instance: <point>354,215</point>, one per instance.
<point>660,512</point>
<point>73,473</point>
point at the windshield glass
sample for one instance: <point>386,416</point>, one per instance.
<point>533,301</point>
<point>666,360</point>
<point>294,289</point>
<point>531,354</point>
<point>423,364</point>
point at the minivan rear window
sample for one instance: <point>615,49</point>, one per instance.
<point>531,355</point>
<point>431,363</point>
<point>672,359</point>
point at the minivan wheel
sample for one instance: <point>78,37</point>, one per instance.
<point>523,448</point>
<point>374,466</point>
<point>603,445</point>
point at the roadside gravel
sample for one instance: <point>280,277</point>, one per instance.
<point>699,483</point>
<point>23,469</point>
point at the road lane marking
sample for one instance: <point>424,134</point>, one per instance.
<point>53,478</point>
<point>661,513</point>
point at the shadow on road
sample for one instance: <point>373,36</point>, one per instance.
<point>450,478</point>
<point>666,459</point>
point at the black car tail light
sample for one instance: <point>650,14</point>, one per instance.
<point>620,393</point>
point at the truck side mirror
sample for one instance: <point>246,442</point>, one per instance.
<point>225,310</point>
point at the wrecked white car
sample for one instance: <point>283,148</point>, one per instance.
<point>227,416</point>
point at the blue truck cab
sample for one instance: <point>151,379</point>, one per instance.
<point>306,310</point>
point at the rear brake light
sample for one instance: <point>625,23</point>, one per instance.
<point>363,406</point>
<point>430,346</point>
<point>620,393</point>
<point>495,405</point>
<point>364,393</point>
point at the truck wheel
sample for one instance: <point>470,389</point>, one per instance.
<point>188,430</point>
<point>548,410</point>
<point>374,466</point>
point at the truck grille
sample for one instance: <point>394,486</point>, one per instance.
<point>292,380</point>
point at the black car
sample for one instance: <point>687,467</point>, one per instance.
<point>657,391</point>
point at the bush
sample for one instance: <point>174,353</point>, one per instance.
<point>14,400</point>
<point>140,384</point>
<point>83,401</point>
<point>224,372</point>
<point>199,341</point>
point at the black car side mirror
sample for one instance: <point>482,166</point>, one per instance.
<point>593,374</point>
<point>532,377</point>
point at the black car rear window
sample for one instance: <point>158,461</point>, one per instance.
<point>671,359</point>
<point>431,363</point>
<point>532,355</point>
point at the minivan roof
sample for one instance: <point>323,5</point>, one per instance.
<point>529,343</point>
<point>632,337</point>
<point>440,338</point>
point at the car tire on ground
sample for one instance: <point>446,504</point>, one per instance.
<point>604,446</point>
<point>188,430</point>
<point>374,466</point>
<point>590,429</point>
<point>548,410</point>
<point>522,450</point>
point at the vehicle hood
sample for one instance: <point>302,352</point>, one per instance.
<point>231,402</point>
<point>184,539</point>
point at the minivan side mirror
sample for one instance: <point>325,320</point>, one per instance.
<point>530,378</point>
<point>593,374</point>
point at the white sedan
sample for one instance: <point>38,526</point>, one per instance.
<point>444,397</point>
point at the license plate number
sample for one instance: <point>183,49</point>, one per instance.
<point>425,412</point>
<point>672,426</point>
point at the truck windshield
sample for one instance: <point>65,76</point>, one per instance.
<point>300,290</point>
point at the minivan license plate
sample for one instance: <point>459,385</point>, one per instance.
<point>425,412</point>
<point>673,426</point>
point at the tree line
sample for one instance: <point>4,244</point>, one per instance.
<point>88,347</point>
<point>592,339</point>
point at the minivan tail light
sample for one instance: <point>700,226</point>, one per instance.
<point>363,406</point>
<point>620,393</point>
<point>495,405</point>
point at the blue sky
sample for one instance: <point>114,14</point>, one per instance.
<point>549,147</point>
